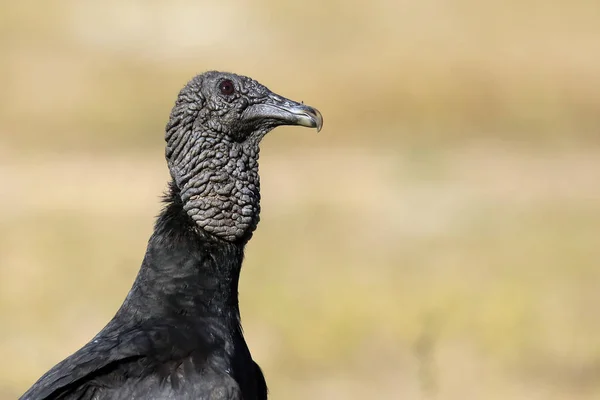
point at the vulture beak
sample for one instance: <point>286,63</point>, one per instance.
<point>285,112</point>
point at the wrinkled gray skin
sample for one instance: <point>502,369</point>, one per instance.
<point>178,333</point>
<point>213,145</point>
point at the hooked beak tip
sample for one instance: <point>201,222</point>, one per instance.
<point>310,117</point>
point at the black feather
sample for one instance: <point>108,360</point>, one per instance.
<point>178,333</point>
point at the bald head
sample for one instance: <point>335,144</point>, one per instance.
<point>213,137</point>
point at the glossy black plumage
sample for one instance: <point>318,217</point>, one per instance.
<point>177,334</point>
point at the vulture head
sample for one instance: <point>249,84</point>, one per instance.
<point>213,138</point>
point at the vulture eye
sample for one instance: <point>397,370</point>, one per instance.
<point>226,87</point>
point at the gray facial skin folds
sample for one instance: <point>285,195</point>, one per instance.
<point>178,333</point>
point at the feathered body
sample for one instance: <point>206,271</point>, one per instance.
<point>178,333</point>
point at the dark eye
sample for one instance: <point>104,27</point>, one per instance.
<point>226,87</point>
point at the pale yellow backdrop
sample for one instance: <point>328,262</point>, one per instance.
<point>439,239</point>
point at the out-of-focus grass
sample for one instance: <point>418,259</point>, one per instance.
<point>439,238</point>
<point>89,75</point>
<point>492,253</point>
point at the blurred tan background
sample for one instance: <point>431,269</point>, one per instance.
<point>439,239</point>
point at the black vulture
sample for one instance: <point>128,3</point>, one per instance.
<point>178,333</point>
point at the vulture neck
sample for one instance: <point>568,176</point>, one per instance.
<point>186,272</point>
